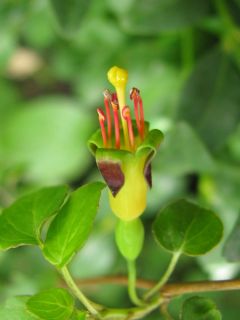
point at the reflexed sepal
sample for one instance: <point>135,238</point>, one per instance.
<point>147,150</point>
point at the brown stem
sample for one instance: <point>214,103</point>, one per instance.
<point>168,290</point>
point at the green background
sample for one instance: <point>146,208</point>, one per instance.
<point>184,55</point>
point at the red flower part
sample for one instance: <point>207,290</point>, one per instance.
<point>127,116</point>
<point>102,118</point>
<point>107,102</point>
<point>138,110</point>
<point>116,124</point>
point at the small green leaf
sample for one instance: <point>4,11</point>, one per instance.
<point>21,223</point>
<point>15,309</point>
<point>185,227</point>
<point>199,308</point>
<point>71,227</point>
<point>231,249</point>
<point>53,304</point>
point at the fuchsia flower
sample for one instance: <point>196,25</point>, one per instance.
<point>124,148</point>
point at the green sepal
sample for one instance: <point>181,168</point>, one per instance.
<point>150,144</point>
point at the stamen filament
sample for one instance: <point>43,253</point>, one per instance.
<point>116,125</point>
<point>102,118</point>
<point>141,116</point>
<point>107,101</point>
<point>127,116</point>
<point>138,110</point>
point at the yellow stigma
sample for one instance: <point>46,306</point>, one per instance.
<point>118,78</point>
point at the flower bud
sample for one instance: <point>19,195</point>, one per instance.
<point>129,238</point>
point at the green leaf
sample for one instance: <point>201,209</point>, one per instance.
<point>151,17</point>
<point>210,101</point>
<point>199,308</point>
<point>231,249</point>
<point>15,309</point>
<point>185,227</point>
<point>72,226</point>
<point>21,223</point>
<point>53,304</point>
<point>70,13</point>
<point>192,155</point>
<point>47,137</point>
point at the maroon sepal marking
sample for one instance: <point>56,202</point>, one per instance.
<point>148,173</point>
<point>112,174</point>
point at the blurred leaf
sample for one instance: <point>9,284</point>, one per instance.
<point>150,17</point>
<point>199,308</point>
<point>211,99</point>
<point>70,13</point>
<point>22,222</point>
<point>48,138</point>
<point>15,309</point>
<point>37,29</point>
<point>185,227</point>
<point>192,156</point>
<point>71,227</point>
<point>53,304</point>
<point>231,249</point>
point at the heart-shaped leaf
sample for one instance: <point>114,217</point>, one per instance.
<point>21,223</point>
<point>185,227</point>
<point>199,308</point>
<point>72,226</point>
<point>53,304</point>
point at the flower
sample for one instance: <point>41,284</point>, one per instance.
<point>124,156</point>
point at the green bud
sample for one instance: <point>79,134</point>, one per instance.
<point>129,238</point>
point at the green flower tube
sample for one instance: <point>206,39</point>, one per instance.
<point>124,149</point>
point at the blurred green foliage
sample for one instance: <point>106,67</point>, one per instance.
<point>184,55</point>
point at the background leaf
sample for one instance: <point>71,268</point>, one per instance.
<point>231,249</point>
<point>199,308</point>
<point>149,17</point>
<point>15,309</point>
<point>47,138</point>
<point>21,223</point>
<point>211,98</point>
<point>194,158</point>
<point>53,304</point>
<point>185,227</point>
<point>70,14</point>
<point>72,226</point>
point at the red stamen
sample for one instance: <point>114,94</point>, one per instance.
<point>102,118</point>
<point>134,97</point>
<point>127,116</point>
<point>141,116</point>
<point>138,110</point>
<point>116,124</point>
<point>107,101</point>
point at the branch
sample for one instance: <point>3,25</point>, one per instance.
<point>168,290</point>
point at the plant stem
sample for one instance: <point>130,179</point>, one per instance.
<point>165,277</point>
<point>90,306</point>
<point>132,283</point>
<point>169,290</point>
